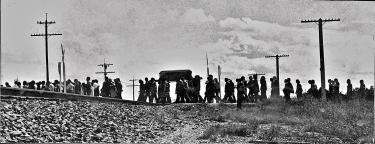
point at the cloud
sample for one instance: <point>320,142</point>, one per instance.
<point>11,58</point>
<point>244,42</point>
<point>196,16</point>
<point>253,39</point>
<point>268,32</point>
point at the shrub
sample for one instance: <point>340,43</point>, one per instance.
<point>227,130</point>
<point>213,130</point>
<point>270,133</point>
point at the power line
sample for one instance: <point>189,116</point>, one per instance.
<point>277,70</point>
<point>321,50</point>
<point>46,34</point>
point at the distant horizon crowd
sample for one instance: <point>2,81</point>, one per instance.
<point>109,88</point>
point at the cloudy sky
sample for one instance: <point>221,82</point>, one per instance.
<point>143,37</point>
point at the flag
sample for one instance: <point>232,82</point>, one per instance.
<point>59,68</point>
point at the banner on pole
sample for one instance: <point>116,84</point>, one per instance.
<point>59,68</point>
<point>63,52</point>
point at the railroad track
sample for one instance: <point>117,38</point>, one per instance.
<point>20,93</point>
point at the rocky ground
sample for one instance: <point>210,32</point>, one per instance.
<point>36,120</point>
<point>74,121</point>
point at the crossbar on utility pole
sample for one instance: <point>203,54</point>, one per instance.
<point>46,34</point>
<point>256,74</point>
<point>321,50</point>
<point>105,66</point>
<point>277,70</point>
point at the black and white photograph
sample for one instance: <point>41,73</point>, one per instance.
<point>187,71</point>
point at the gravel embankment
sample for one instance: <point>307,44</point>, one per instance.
<point>66,121</point>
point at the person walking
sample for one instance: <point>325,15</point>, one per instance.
<point>299,89</point>
<point>288,88</point>
<point>263,88</point>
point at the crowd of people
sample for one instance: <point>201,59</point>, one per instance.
<point>109,88</point>
<point>188,90</point>
<point>149,90</point>
<point>333,93</point>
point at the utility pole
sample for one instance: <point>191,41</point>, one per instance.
<point>208,71</point>
<point>373,138</point>
<point>321,50</point>
<point>46,34</point>
<point>277,71</point>
<point>219,74</point>
<point>105,66</point>
<point>132,80</point>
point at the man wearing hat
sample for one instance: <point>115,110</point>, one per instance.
<point>210,89</point>
<point>227,91</point>
<point>142,92</point>
<point>287,89</point>
<point>153,91</point>
<point>197,89</point>
<point>56,86</point>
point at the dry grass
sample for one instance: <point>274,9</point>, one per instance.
<point>345,120</point>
